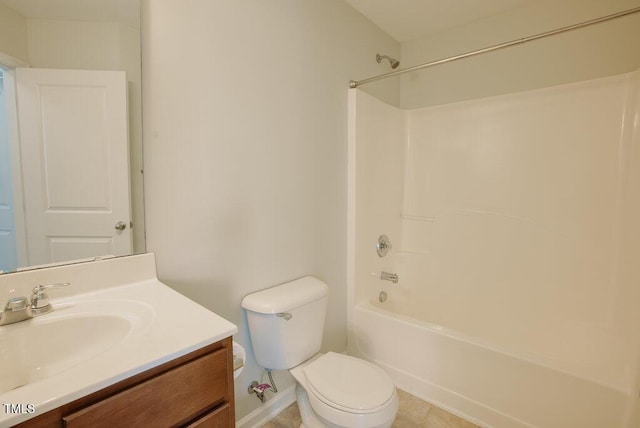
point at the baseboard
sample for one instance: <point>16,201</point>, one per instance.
<point>269,410</point>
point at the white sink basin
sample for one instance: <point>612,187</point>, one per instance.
<point>44,346</point>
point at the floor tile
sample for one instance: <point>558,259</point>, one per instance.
<point>288,418</point>
<point>438,418</point>
<point>413,413</point>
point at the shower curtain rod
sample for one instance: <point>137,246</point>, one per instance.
<point>355,84</point>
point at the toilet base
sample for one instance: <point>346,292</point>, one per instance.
<point>311,419</point>
<point>308,416</point>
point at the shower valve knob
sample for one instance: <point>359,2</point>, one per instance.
<point>383,246</point>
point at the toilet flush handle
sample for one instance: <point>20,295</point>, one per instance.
<point>286,315</point>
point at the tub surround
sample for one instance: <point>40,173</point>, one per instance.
<point>515,241</point>
<point>479,382</point>
<point>164,326</point>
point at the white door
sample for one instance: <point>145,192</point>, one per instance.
<point>75,163</point>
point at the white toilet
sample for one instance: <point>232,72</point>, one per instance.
<point>334,390</point>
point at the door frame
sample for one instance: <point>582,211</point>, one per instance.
<point>8,64</point>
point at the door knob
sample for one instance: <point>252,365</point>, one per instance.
<point>121,225</point>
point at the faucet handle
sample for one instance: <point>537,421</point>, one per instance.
<point>16,304</point>
<point>40,300</point>
<point>383,246</point>
<point>40,288</point>
<point>17,309</point>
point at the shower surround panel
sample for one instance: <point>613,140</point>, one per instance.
<point>513,232</point>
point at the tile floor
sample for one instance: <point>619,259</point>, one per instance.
<point>413,412</point>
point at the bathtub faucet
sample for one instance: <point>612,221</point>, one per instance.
<point>386,276</point>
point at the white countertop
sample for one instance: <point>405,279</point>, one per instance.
<point>162,325</point>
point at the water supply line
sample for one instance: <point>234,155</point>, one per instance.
<point>272,384</point>
<point>259,388</point>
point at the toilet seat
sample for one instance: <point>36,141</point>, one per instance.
<point>349,384</point>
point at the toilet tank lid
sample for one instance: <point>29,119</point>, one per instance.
<point>287,296</point>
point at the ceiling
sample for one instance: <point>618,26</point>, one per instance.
<point>403,20</point>
<point>406,20</point>
<point>78,10</point>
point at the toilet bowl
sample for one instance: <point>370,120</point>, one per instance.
<point>336,390</point>
<point>286,323</point>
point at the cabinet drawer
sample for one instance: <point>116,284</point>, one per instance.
<point>168,399</point>
<point>218,418</point>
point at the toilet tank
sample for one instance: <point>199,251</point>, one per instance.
<point>286,322</point>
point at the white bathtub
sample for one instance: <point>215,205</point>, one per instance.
<point>481,383</point>
<point>515,237</point>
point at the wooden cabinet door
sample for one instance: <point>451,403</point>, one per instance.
<point>219,418</point>
<point>170,399</point>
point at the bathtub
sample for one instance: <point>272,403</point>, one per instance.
<point>516,246</point>
<point>480,382</point>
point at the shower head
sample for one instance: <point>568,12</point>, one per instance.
<point>394,62</point>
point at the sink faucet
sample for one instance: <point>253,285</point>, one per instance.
<point>20,308</point>
<point>40,300</point>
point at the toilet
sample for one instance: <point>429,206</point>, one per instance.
<point>333,390</point>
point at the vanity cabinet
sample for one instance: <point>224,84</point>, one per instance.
<point>195,390</point>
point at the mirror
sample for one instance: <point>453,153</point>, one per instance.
<point>83,37</point>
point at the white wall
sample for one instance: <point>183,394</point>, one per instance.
<point>73,44</point>
<point>13,34</point>
<point>602,50</point>
<point>245,122</point>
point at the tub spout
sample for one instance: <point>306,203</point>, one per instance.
<point>386,276</point>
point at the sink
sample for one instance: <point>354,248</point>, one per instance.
<point>28,355</point>
<point>44,346</point>
<point>116,320</point>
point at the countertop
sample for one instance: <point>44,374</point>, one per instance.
<point>163,325</point>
